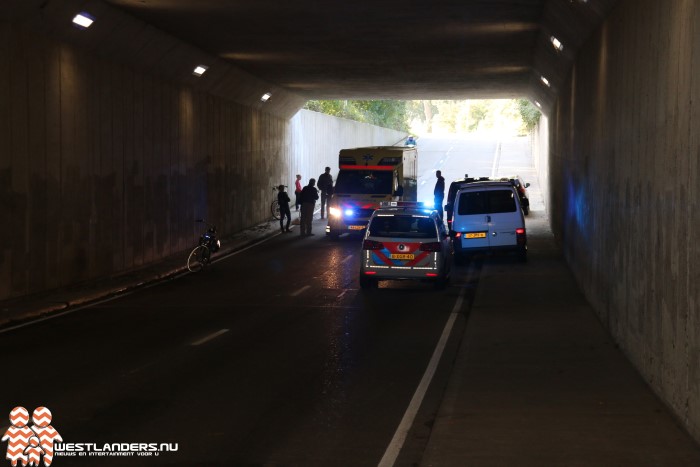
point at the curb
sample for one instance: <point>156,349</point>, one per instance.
<point>26,312</point>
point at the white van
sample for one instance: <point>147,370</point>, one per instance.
<point>487,217</point>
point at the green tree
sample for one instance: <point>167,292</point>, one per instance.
<point>385,113</point>
<point>529,113</point>
<point>477,113</point>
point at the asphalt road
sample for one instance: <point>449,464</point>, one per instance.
<point>272,357</point>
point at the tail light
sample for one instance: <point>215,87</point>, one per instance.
<point>432,246</point>
<point>520,236</point>
<point>430,274</point>
<point>372,245</point>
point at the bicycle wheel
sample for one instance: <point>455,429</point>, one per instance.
<point>275,209</point>
<point>198,259</point>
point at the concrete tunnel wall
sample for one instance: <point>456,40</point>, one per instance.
<point>625,194</point>
<point>105,167</point>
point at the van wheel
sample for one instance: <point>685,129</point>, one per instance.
<point>522,256</point>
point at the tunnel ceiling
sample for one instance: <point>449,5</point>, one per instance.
<point>415,49</point>
<point>386,48</point>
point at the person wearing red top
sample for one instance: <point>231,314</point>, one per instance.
<point>297,192</point>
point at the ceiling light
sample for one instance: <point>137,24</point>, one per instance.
<point>266,97</point>
<point>556,43</point>
<point>545,81</point>
<point>83,20</point>
<point>199,71</point>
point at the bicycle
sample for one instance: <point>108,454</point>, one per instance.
<point>275,205</point>
<point>200,256</point>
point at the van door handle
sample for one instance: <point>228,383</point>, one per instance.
<point>488,219</point>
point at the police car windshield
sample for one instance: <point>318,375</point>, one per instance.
<point>402,226</point>
<point>364,182</point>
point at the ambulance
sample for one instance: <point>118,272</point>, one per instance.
<point>367,177</point>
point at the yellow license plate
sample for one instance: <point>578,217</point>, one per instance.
<point>401,256</point>
<point>356,227</point>
<point>475,235</point>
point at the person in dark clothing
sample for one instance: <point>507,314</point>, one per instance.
<point>439,192</point>
<point>309,195</point>
<point>325,185</point>
<point>283,201</point>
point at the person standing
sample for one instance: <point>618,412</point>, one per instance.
<point>325,184</point>
<point>308,198</point>
<point>439,192</point>
<point>283,201</point>
<point>297,192</point>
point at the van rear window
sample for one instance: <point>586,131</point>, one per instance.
<point>486,202</point>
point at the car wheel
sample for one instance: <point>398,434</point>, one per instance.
<point>368,283</point>
<point>441,283</point>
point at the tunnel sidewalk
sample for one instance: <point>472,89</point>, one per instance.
<point>15,312</point>
<point>539,382</point>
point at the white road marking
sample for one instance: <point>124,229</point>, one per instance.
<point>394,448</point>
<point>496,157</point>
<point>210,337</point>
<point>346,259</point>
<point>301,291</point>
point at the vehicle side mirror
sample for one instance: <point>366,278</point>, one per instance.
<point>399,191</point>
<point>527,185</point>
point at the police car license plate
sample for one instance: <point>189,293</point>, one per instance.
<point>356,227</point>
<point>401,256</point>
<point>475,235</point>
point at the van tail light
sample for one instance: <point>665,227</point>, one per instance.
<point>521,236</point>
<point>372,245</point>
<point>432,246</point>
<point>430,274</point>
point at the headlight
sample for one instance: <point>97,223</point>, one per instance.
<point>335,212</point>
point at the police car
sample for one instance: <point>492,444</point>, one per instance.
<point>405,240</point>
